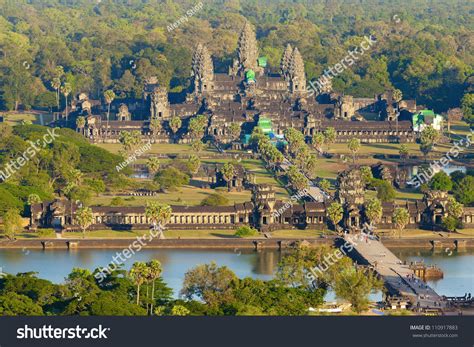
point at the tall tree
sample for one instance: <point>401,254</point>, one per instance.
<point>109,97</point>
<point>329,136</point>
<point>12,223</point>
<point>373,210</point>
<point>158,214</point>
<point>66,90</point>
<point>84,218</point>
<point>228,172</point>
<point>354,147</point>
<point>401,217</point>
<point>334,213</point>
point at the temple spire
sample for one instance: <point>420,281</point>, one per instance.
<point>296,73</point>
<point>285,60</point>
<point>247,51</point>
<point>202,69</point>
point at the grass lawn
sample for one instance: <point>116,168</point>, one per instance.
<point>169,234</point>
<point>296,233</point>
<point>186,195</point>
<point>420,233</point>
<point>17,118</point>
<point>160,148</point>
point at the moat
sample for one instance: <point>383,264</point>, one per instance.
<point>54,265</point>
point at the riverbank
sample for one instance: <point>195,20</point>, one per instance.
<point>226,243</point>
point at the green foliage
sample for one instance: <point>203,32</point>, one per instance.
<point>215,200</point>
<point>464,191</point>
<point>325,185</point>
<point>130,51</point>
<point>12,223</point>
<point>451,223</point>
<point>209,283</point>
<point>84,218</point>
<point>13,304</point>
<point>96,185</point>
<point>354,147</point>
<point>373,210</point>
<point>246,231</point>
<point>366,173</point>
<point>296,179</point>
<point>385,191</point>
<point>354,284</point>
<point>117,201</point>
<point>335,212</point>
<point>441,181</point>
<point>171,178</point>
<point>401,217</point>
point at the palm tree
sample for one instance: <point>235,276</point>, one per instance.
<point>329,136</point>
<point>66,90</point>
<point>109,97</point>
<point>354,147</point>
<point>159,215</point>
<point>335,212</point>
<point>175,124</point>
<point>228,172</point>
<point>56,84</point>
<point>80,122</point>
<point>401,217</point>
<point>84,219</point>
<point>153,165</point>
<point>234,129</point>
<point>33,199</point>
<point>155,127</point>
<point>137,273</point>
<point>154,272</point>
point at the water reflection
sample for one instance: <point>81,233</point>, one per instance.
<point>55,265</point>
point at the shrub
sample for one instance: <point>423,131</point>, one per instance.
<point>246,231</point>
<point>215,200</point>
<point>171,178</point>
<point>117,201</point>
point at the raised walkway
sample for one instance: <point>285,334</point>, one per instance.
<point>399,279</point>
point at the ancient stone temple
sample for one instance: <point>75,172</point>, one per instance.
<point>202,71</point>
<point>350,194</point>
<point>247,52</point>
<point>252,91</point>
<point>296,74</point>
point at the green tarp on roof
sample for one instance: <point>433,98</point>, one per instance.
<point>262,61</point>
<point>250,75</point>
<point>265,125</point>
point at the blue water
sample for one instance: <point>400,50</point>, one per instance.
<point>55,265</point>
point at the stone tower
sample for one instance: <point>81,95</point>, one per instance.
<point>159,104</point>
<point>297,79</point>
<point>202,70</point>
<point>285,60</point>
<point>247,51</point>
<point>350,188</point>
<point>350,194</point>
<point>345,107</point>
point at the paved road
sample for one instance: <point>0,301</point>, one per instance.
<point>398,278</point>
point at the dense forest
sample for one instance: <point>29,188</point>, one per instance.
<point>424,48</point>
